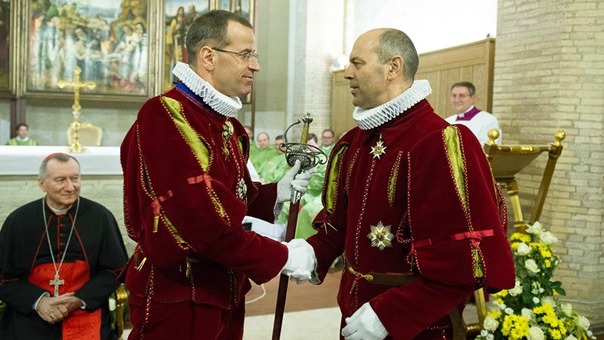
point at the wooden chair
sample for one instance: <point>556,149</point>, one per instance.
<point>506,162</point>
<point>121,310</point>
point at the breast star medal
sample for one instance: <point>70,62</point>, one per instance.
<point>242,190</point>
<point>380,236</point>
<point>227,132</point>
<point>378,149</point>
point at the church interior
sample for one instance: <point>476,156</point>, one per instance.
<point>537,67</point>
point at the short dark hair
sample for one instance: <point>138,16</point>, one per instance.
<point>471,88</point>
<point>18,126</point>
<point>211,28</point>
<point>59,156</point>
<point>396,43</point>
<point>333,134</point>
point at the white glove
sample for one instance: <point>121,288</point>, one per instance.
<point>299,181</point>
<point>301,260</point>
<point>364,324</point>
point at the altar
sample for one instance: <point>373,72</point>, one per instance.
<point>25,160</point>
<point>101,178</point>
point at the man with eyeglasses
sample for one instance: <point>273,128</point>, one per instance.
<point>187,189</point>
<point>327,141</point>
<point>463,97</point>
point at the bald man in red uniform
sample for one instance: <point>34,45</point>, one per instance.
<point>426,224</point>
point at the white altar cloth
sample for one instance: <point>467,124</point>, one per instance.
<point>25,160</point>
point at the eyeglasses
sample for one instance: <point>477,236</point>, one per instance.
<point>244,55</point>
<point>460,96</point>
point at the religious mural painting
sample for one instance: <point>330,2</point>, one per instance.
<point>5,25</point>
<point>106,39</point>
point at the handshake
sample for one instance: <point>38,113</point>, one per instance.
<point>301,261</point>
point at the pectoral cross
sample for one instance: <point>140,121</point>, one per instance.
<point>56,282</point>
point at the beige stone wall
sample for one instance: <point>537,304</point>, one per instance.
<point>549,67</point>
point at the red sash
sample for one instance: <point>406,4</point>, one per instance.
<point>80,324</point>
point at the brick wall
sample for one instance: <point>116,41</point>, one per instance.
<point>549,67</point>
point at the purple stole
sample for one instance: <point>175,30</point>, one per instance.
<point>468,115</point>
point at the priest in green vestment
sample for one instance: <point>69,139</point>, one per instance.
<point>22,138</point>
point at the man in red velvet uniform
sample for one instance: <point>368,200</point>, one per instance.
<point>426,225</point>
<point>187,189</point>
<point>59,261</point>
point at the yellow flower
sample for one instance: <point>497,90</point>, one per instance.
<point>520,237</point>
<point>515,326</point>
<point>555,334</point>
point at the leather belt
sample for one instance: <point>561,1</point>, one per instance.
<point>386,279</point>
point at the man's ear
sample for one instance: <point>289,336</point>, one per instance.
<point>205,58</point>
<point>396,66</point>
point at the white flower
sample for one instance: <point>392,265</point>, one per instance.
<point>490,337</point>
<point>531,266</point>
<point>517,289</point>
<point>548,238</point>
<point>535,333</point>
<point>527,313</point>
<point>534,228</point>
<point>508,311</point>
<point>583,322</point>
<point>548,300</point>
<point>490,324</point>
<point>535,300</point>
<point>570,337</point>
<point>501,305</point>
<point>567,308</point>
<point>523,249</point>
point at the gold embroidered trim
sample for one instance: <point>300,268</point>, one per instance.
<point>393,179</point>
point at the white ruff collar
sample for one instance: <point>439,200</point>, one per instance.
<point>224,105</point>
<point>371,118</point>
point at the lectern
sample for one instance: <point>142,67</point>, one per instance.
<point>506,162</point>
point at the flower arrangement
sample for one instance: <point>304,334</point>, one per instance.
<point>531,310</point>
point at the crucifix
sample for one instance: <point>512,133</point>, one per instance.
<point>56,283</point>
<point>76,84</point>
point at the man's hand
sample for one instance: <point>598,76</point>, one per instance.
<point>301,261</point>
<point>55,309</point>
<point>364,324</point>
<point>292,179</point>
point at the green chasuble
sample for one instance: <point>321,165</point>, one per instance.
<point>262,156</point>
<point>273,169</point>
<point>311,205</point>
<point>18,142</point>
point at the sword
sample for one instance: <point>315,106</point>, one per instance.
<point>309,156</point>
